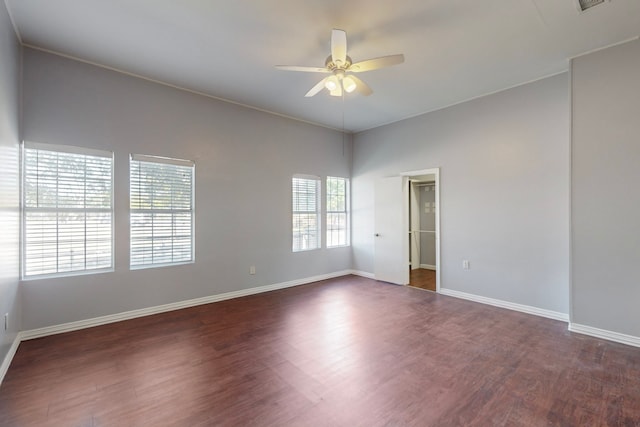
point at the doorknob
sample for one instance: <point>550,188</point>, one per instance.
<point>377,235</point>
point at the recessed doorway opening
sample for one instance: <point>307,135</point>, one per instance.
<point>423,221</point>
<point>398,230</point>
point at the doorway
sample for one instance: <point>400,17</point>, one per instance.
<point>392,220</point>
<point>422,210</point>
<point>422,232</point>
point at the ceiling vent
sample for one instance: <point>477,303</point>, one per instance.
<point>588,4</point>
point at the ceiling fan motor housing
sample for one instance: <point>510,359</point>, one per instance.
<point>333,66</point>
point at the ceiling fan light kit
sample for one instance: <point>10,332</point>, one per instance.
<point>340,66</point>
<point>349,84</point>
<point>331,83</point>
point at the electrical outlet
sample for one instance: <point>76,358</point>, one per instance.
<point>6,321</point>
<point>465,264</point>
<point>252,269</point>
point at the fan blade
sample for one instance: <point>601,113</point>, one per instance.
<point>317,88</point>
<point>338,47</point>
<point>304,69</point>
<point>337,91</point>
<point>361,87</point>
<point>374,64</point>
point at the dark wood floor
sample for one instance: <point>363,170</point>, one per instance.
<point>423,279</point>
<point>344,352</point>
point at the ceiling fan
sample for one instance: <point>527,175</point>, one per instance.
<point>340,66</point>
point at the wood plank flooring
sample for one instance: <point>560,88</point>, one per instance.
<point>423,278</point>
<point>344,352</point>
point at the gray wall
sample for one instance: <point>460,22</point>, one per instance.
<point>9,184</point>
<point>605,195</point>
<point>244,163</point>
<point>504,190</point>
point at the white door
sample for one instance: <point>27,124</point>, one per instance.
<point>391,231</point>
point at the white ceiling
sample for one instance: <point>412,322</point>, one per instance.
<point>455,50</point>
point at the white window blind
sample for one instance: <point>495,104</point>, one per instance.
<point>67,210</point>
<point>337,212</point>
<point>161,203</point>
<point>306,212</point>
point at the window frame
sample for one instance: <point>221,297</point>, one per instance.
<point>144,158</point>
<point>25,210</point>
<point>345,212</point>
<point>317,212</point>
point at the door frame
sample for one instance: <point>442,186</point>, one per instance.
<point>405,209</point>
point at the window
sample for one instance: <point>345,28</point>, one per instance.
<point>337,212</point>
<point>306,212</point>
<point>67,210</point>
<point>161,202</point>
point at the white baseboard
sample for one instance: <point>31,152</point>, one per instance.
<point>4,367</point>
<point>604,334</point>
<point>112,318</point>
<point>363,274</point>
<point>428,266</point>
<point>506,304</point>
